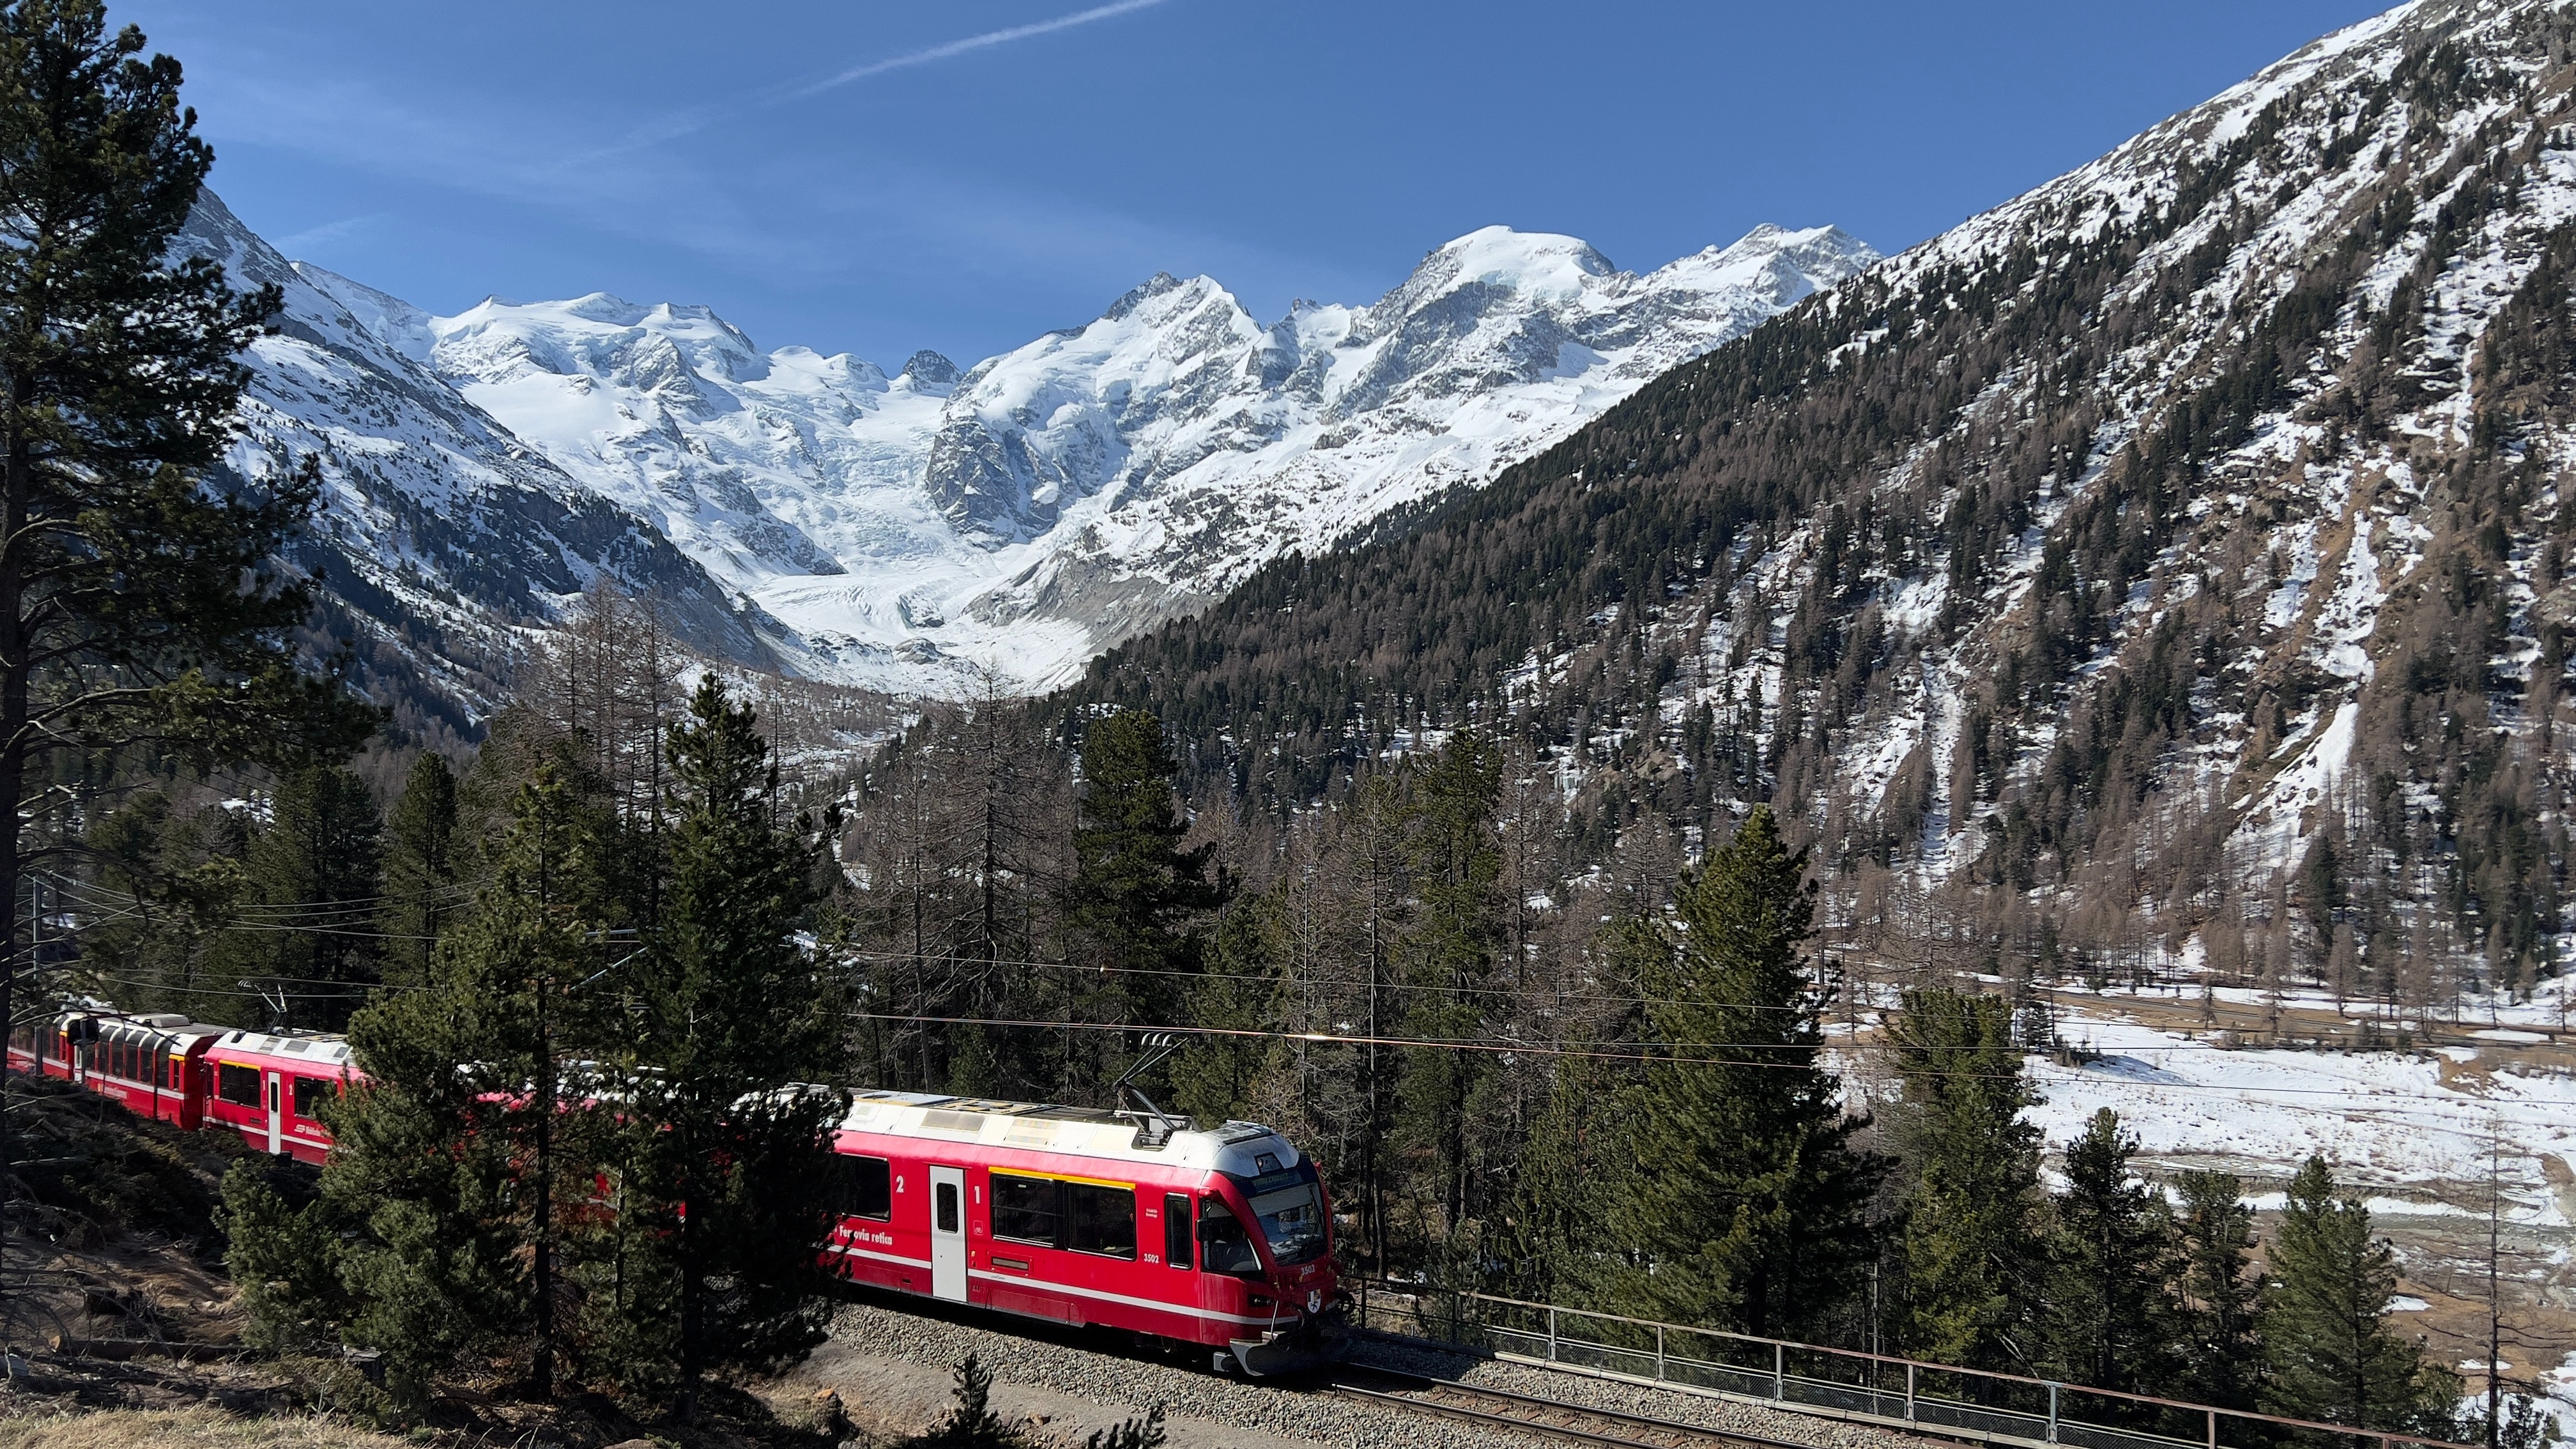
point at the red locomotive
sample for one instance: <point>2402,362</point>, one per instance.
<point>1131,1220</point>
<point>1221,1239</point>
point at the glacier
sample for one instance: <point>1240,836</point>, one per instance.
<point>937,532</point>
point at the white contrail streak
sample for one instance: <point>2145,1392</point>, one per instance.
<point>984,41</point>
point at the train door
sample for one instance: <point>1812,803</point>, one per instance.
<point>948,1233</point>
<point>276,1114</point>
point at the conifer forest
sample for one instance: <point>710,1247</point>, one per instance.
<point>2010,813</point>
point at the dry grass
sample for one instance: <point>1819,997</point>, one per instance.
<point>183,1429</point>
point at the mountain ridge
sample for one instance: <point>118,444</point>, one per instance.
<point>441,537</point>
<point>2166,564</point>
<point>910,532</point>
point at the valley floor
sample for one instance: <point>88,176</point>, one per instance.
<point>2434,1123</point>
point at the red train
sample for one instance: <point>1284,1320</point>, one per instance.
<point>268,1087</point>
<point>1220,1239</point>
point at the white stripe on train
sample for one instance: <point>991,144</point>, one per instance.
<point>1155,1304</point>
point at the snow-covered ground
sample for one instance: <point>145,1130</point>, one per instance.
<point>2387,1120</point>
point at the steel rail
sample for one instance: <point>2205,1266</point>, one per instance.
<point>1512,1411</point>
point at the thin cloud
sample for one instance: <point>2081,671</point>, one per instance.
<point>699,118</point>
<point>327,233</point>
<point>985,41</point>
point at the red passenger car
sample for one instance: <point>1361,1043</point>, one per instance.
<point>270,1088</point>
<point>1221,1239</point>
<point>1131,1220</point>
<point>148,1064</point>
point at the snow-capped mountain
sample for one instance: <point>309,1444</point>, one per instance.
<point>2174,564</point>
<point>440,532</point>
<point>1139,467</point>
<point>1099,480</point>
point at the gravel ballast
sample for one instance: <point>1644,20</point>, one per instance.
<point>892,1368</point>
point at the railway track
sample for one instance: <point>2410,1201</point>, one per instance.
<point>1531,1414</point>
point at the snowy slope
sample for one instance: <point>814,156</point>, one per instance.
<point>1059,498</point>
<point>1146,463</point>
<point>2315,525</point>
<point>440,532</point>
<point>757,464</point>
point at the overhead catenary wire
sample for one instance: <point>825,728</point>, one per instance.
<point>1635,1052</point>
<point>1641,1053</point>
<point>1357,986</point>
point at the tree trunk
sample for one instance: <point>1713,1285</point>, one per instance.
<point>13,764</point>
<point>541,1378</point>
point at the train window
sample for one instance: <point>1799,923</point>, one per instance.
<point>310,1094</point>
<point>1229,1248</point>
<point>237,1085</point>
<point>860,1187</point>
<point>1178,1250</point>
<point>944,1214</point>
<point>1100,1219</point>
<point>1025,1209</point>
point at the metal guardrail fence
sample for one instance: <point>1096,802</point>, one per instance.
<point>1882,1389</point>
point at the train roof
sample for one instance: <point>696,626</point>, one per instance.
<point>323,1051</point>
<point>1236,1147</point>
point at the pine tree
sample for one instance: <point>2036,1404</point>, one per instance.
<point>710,1263</point>
<point>1971,1245</point>
<point>442,1200</point>
<point>420,869</point>
<point>1566,1185</point>
<point>141,602</point>
<point>2325,1323</point>
<point>2109,1248</point>
<point>1214,1077</point>
<point>1135,891</point>
<point>970,1422</point>
<point>2217,1293</point>
<point>1446,958</point>
<point>178,876</point>
<point>316,873</point>
<point>1752,1201</point>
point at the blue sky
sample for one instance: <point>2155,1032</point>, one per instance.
<point>876,178</point>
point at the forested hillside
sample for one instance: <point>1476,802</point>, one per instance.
<point>2163,568</point>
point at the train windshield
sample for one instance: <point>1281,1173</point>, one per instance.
<point>1290,1208</point>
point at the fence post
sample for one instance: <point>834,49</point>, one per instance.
<point>2213,1429</point>
<point>2052,1414</point>
<point>1780,1375</point>
<point>1909,1393</point>
<point>1659,1353</point>
<point>1551,1333</point>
